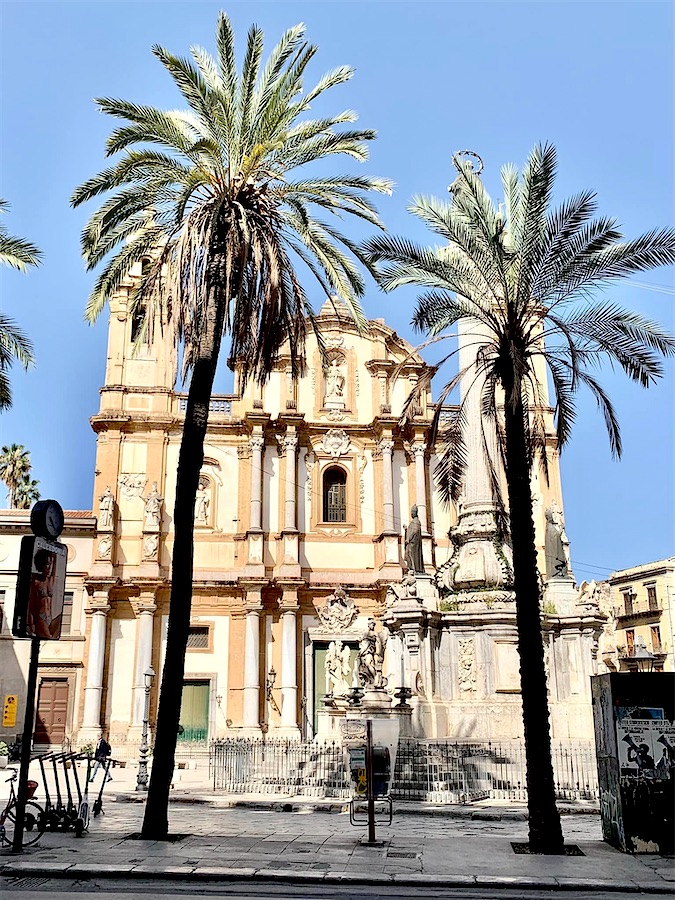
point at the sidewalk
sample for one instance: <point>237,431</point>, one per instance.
<point>223,843</point>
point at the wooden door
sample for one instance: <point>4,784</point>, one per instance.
<point>52,708</point>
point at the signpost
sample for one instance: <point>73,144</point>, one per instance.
<point>38,613</point>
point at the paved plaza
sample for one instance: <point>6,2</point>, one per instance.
<point>215,843</point>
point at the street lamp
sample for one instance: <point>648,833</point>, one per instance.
<point>643,658</point>
<point>142,777</point>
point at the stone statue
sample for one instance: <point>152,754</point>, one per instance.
<point>406,590</point>
<point>106,509</point>
<point>153,507</point>
<point>413,543</point>
<point>557,546</point>
<point>202,502</point>
<point>371,658</point>
<point>337,669</point>
<point>335,383</point>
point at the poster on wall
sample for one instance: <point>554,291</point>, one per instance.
<point>41,582</point>
<point>646,747</point>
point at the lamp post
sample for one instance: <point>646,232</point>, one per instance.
<point>142,777</point>
<point>644,658</point>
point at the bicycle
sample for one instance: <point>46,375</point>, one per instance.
<point>34,818</point>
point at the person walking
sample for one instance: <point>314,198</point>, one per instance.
<point>101,753</point>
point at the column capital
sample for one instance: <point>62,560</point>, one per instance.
<point>256,442</point>
<point>141,605</point>
<point>97,606</point>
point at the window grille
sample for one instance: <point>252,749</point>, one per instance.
<point>198,637</point>
<point>335,496</point>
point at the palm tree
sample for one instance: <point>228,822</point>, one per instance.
<point>526,277</point>
<point>27,492</point>
<point>215,205</point>
<point>14,469</point>
<point>14,345</point>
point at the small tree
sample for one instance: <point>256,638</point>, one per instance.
<point>27,493</point>
<point>526,277</point>
<point>14,469</point>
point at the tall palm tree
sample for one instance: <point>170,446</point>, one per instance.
<point>14,345</point>
<point>526,277</point>
<point>27,492</point>
<point>14,469</point>
<point>212,198</point>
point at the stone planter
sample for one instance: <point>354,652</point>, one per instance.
<point>3,762</point>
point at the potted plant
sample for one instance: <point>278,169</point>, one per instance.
<point>4,754</point>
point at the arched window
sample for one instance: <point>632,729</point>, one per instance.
<point>334,495</point>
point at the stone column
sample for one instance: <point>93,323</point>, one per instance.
<point>291,448</point>
<point>251,715</point>
<point>144,608</point>
<point>257,445</point>
<point>420,485</point>
<point>289,667</point>
<point>386,448</point>
<point>93,691</point>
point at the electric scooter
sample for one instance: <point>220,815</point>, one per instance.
<point>83,813</point>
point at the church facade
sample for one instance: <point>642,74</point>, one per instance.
<point>306,490</point>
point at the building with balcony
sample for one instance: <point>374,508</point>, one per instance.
<point>642,604</point>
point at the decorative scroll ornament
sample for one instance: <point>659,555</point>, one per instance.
<point>338,612</point>
<point>335,442</point>
<point>467,665</point>
<point>150,546</point>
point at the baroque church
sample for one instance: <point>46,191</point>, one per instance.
<point>307,488</point>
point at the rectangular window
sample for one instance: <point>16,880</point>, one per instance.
<point>651,597</point>
<point>630,641</point>
<point>198,637</point>
<point>628,603</point>
<point>656,639</point>
<point>67,614</point>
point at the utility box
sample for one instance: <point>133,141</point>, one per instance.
<point>634,716</point>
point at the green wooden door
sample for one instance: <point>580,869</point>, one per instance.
<point>194,711</point>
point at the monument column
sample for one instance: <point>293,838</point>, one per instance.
<point>144,608</point>
<point>98,609</point>
<point>251,712</point>
<point>289,664</point>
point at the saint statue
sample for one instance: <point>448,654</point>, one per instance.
<point>202,502</point>
<point>337,669</point>
<point>556,544</point>
<point>370,657</point>
<point>106,509</point>
<point>413,543</point>
<point>153,507</point>
<point>335,383</point>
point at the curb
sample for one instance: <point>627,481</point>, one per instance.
<point>401,807</point>
<point>215,873</point>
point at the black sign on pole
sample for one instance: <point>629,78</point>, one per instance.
<point>38,613</point>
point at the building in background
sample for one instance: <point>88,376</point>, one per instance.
<point>642,604</point>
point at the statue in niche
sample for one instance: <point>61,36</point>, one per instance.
<point>106,509</point>
<point>556,544</point>
<point>202,503</point>
<point>153,507</point>
<point>413,543</point>
<point>370,658</point>
<point>335,384</point>
<point>338,669</point>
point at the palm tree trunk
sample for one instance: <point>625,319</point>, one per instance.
<point>545,831</point>
<point>190,460</point>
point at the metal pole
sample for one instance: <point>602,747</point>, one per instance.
<point>26,746</point>
<point>370,787</point>
<point>142,777</point>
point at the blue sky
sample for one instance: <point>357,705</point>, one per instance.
<point>596,79</point>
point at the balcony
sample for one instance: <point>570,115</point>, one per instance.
<point>220,405</point>
<point>638,615</point>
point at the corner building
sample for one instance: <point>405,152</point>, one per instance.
<point>305,489</point>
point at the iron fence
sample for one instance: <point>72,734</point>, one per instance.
<point>436,771</point>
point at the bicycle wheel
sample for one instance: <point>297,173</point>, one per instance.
<point>33,826</point>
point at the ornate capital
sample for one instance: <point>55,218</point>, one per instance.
<point>290,443</point>
<point>257,442</point>
<point>386,445</point>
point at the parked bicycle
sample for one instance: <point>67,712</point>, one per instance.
<point>34,819</point>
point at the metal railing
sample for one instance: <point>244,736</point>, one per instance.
<point>436,771</point>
